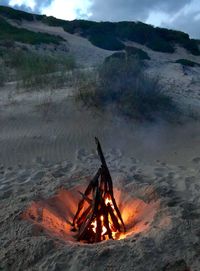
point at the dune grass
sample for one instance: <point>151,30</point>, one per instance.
<point>35,71</point>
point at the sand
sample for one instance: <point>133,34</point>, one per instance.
<point>171,240</point>
<point>45,148</point>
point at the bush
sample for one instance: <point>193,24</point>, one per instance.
<point>117,55</point>
<point>160,45</point>
<point>106,42</point>
<point>136,52</point>
<point>186,62</point>
<point>125,85</point>
<point>130,52</point>
<point>2,75</point>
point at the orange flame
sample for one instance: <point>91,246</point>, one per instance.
<point>55,214</point>
<point>111,226</point>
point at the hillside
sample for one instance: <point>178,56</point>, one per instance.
<point>111,36</point>
<point>169,54</point>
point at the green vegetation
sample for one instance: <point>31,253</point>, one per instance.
<point>130,52</point>
<point>11,33</point>
<point>186,62</point>
<point>2,75</point>
<point>36,71</point>
<point>125,85</point>
<point>117,55</point>
<point>15,14</point>
<point>111,36</point>
<point>106,42</point>
<point>136,52</point>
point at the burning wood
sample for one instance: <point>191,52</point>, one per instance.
<point>98,217</point>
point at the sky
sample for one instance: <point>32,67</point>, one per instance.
<point>174,14</point>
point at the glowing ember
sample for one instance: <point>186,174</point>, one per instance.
<point>53,215</point>
<point>98,217</point>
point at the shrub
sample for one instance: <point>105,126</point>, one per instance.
<point>2,75</point>
<point>106,42</point>
<point>136,52</point>
<point>192,47</point>
<point>160,45</point>
<point>124,84</point>
<point>186,62</point>
<point>117,55</point>
<point>130,52</point>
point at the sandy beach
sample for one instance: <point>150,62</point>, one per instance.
<point>47,147</point>
<point>47,144</point>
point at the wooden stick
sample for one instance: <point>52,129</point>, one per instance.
<point>109,179</point>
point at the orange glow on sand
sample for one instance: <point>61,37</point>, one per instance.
<point>55,214</point>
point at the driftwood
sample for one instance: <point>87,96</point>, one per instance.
<point>98,217</point>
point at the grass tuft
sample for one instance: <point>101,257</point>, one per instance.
<point>35,71</point>
<point>125,85</point>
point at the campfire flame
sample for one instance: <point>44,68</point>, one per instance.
<point>54,215</point>
<point>97,217</point>
<point>104,234</point>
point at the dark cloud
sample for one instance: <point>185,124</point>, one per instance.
<point>188,23</point>
<point>139,10</point>
<point>117,10</point>
<point>38,7</point>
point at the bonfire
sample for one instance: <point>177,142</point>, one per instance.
<point>98,217</point>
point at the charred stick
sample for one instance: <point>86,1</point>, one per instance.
<point>106,221</point>
<point>118,212</point>
<point>84,227</point>
<point>87,192</point>
<point>98,229</point>
<point>85,197</point>
<point>100,152</point>
<point>83,216</point>
<point>114,218</point>
<point>92,183</point>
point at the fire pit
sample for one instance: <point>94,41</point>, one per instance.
<point>97,213</point>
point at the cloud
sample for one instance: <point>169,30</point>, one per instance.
<point>68,9</point>
<point>116,10</point>
<point>27,5</point>
<point>188,23</point>
<point>182,15</point>
<point>187,19</point>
